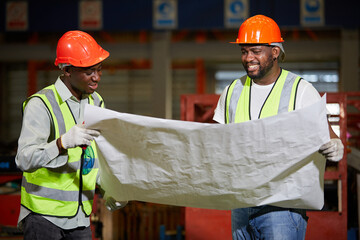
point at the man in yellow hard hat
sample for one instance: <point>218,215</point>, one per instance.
<point>56,152</point>
<point>267,90</point>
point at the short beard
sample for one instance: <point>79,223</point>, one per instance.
<point>263,70</point>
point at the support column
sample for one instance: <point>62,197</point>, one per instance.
<point>32,78</point>
<point>349,71</point>
<point>200,76</point>
<point>161,75</point>
<point>4,105</point>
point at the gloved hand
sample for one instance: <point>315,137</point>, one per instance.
<point>112,205</point>
<point>78,135</point>
<point>333,150</point>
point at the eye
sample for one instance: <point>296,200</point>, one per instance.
<point>88,72</point>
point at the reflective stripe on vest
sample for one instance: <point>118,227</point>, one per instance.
<point>281,98</point>
<point>55,192</point>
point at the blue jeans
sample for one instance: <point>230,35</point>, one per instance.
<point>273,225</point>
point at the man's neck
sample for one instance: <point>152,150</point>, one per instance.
<point>269,78</point>
<point>76,93</point>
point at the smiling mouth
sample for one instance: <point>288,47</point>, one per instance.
<point>252,67</point>
<point>93,86</point>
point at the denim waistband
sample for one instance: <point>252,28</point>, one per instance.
<point>258,211</point>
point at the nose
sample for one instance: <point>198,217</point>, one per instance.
<point>248,57</point>
<point>96,76</point>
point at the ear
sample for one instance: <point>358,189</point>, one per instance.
<point>67,71</point>
<point>275,52</point>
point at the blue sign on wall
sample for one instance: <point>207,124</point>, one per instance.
<point>165,14</point>
<point>236,11</point>
<point>312,13</point>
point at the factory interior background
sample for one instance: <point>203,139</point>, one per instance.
<point>171,59</point>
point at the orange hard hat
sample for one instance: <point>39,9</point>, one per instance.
<point>259,29</point>
<point>79,49</point>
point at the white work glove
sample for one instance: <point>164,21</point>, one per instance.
<point>333,150</point>
<point>78,135</point>
<point>112,205</point>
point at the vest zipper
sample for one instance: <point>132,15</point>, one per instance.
<point>268,94</point>
<point>82,160</point>
<point>81,179</point>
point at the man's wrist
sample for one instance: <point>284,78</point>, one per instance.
<point>59,145</point>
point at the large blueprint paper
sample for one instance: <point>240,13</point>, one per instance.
<point>216,166</point>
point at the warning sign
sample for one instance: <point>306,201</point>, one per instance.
<point>165,15</point>
<point>312,13</point>
<point>90,16</point>
<point>17,16</point>
<point>236,11</point>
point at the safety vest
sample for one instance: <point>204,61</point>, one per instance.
<point>281,98</point>
<point>60,191</point>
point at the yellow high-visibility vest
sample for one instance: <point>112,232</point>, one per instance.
<point>281,98</point>
<point>60,191</point>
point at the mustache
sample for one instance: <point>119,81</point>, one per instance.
<point>252,62</point>
<point>246,64</point>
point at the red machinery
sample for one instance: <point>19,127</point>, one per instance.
<point>330,223</point>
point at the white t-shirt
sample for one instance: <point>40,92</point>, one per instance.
<point>305,96</point>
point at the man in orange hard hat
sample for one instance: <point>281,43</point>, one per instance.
<point>268,90</point>
<point>56,152</point>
